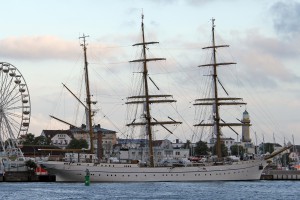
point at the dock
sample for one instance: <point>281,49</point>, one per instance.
<point>281,175</point>
<point>26,176</point>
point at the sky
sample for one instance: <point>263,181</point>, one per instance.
<point>40,38</point>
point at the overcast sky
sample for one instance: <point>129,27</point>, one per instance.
<point>40,38</point>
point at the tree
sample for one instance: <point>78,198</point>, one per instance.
<point>29,139</point>
<point>201,148</point>
<point>224,149</point>
<point>41,140</point>
<point>237,150</point>
<point>77,144</point>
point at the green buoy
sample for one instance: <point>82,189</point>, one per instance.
<point>87,177</point>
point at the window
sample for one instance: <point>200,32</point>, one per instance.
<point>177,153</point>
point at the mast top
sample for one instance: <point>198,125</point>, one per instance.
<point>213,22</point>
<point>83,37</point>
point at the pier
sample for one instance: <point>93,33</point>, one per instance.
<point>280,175</point>
<point>26,177</point>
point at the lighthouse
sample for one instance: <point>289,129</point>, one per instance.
<point>246,127</point>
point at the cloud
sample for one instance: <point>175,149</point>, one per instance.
<point>37,48</point>
<point>49,48</point>
<point>263,59</point>
<point>286,17</point>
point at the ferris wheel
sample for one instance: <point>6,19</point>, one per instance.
<point>15,107</point>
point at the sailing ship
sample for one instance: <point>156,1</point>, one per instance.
<point>129,172</point>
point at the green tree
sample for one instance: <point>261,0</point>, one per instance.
<point>41,140</point>
<point>29,139</point>
<point>201,148</point>
<point>237,150</point>
<point>77,144</point>
<point>224,149</point>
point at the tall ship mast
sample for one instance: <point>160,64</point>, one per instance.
<point>88,110</point>
<point>216,101</point>
<point>87,105</point>
<point>147,98</point>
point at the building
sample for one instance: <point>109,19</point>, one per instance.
<point>162,149</point>
<point>103,138</point>
<point>59,138</point>
<point>227,141</point>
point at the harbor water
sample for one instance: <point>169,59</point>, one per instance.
<point>159,190</point>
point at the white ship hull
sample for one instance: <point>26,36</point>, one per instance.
<point>115,172</point>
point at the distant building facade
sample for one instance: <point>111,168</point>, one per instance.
<point>138,150</point>
<point>103,139</point>
<point>59,138</point>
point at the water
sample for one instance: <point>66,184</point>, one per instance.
<point>161,190</point>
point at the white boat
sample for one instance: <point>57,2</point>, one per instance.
<point>122,172</point>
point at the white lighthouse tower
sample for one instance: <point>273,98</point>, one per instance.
<point>246,127</point>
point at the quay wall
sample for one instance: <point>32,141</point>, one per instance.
<point>280,175</point>
<point>26,177</point>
